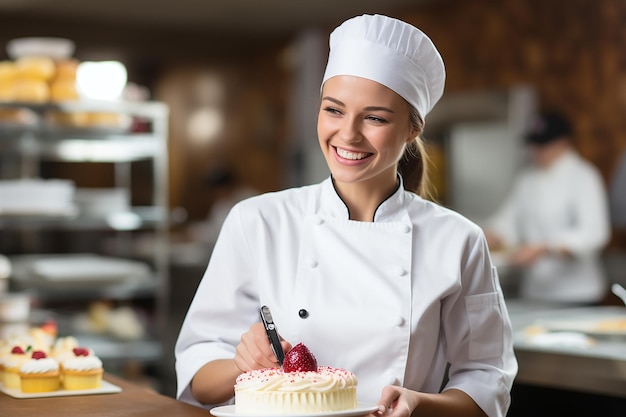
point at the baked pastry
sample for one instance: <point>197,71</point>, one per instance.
<point>66,69</point>
<point>7,77</point>
<point>7,71</point>
<point>35,67</point>
<point>299,387</point>
<point>31,90</point>
<point>63,90</point>
<point>39,374</point>
<point>82,371</point>
<point>11,364</point>
<point>62,349</point>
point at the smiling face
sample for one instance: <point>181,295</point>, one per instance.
<point>363,129</point>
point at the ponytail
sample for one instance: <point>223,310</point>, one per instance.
<point>414,164</point>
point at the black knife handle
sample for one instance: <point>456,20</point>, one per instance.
<point>272,333</point>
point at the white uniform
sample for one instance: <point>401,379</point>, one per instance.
<point>393,300</point>
<point>565,205</point>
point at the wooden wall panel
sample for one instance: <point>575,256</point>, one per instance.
<point>573,52</point>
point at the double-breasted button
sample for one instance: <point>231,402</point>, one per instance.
<point>398,271</point>
<point>400,321</point>
<point>312,263</point>
<point>318,220</point>
<point>406,229</point>
<point>303,313</point>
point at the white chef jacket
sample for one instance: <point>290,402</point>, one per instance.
<point>564,206</point>
<point>392,300</point>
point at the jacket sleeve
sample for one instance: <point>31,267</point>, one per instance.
<point>222,309</point>
<point>478,333</point>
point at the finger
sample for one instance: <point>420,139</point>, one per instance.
<point>260,339</point>
<point>286,345</point>
<point>388,397</point>
<point>255,351</point>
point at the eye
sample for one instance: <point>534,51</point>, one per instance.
<point>332,110</point>
<point>376,119</point>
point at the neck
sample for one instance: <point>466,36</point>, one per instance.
<point>363,198</point>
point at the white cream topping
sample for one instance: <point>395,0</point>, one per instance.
<point>275,379</point>
<point>350,155</point>
<point>13,360</point>
<point>63,344</point>
<point>82,363</point>
<point>39,366</point>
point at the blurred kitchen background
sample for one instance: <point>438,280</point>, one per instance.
<point>219,102</point>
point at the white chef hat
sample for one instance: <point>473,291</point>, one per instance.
<point>390,52</point>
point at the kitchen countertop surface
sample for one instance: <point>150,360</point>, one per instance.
<point>563,348</point>
<point>134,400</point>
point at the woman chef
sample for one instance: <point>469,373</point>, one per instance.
<point>369,276</point>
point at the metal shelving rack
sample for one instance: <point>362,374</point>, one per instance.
<point>26,146</point>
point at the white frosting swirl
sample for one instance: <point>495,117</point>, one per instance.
<point>64,344</point>
<point>14,360</point>
<point>275,379</point>
<point>82,363</point>
<point>39,366</point>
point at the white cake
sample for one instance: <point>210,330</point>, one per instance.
<point>272,391</point>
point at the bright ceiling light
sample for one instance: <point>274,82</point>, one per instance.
<point>102,80</point>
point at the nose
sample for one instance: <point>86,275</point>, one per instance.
<point>349,131</point>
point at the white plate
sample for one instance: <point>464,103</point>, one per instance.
<point>361,410</point>
<point>105,388</point>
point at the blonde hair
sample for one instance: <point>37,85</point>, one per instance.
<point>414,164</point>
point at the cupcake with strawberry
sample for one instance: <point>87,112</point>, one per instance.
<point>63,347</point>
<point>82,371</point>
<point>40,373</point>
<point>11,363</point>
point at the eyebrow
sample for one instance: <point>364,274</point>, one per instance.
<point>368,108</point>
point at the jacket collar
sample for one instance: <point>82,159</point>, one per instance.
<point>390,209</point>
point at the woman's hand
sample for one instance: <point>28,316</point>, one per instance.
<point>254,350</point>
<point>396,402</point>
<point>401,402</point>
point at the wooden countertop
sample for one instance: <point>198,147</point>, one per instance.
<point>134,400</point>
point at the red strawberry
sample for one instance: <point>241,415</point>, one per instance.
<point>50,327</point>
<point>299,359</point>
<point>38,354</point>
<point>79,351</point>
<point>18,350</point>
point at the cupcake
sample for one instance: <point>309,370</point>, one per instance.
<point>11,364</point>
<point>83,371</point>
<point>39,374</point>
<point>42,338</point>
<point>62,348</point>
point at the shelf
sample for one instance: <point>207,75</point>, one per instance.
<point>144,109</point>
<point>121,292</point>
<point>126,135</point>
<point>138,218</point>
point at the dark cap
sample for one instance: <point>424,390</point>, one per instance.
<point>546,127</point>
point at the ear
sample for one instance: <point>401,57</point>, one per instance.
<point>413,133</point>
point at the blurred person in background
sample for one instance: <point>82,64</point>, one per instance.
<point>555,222</point>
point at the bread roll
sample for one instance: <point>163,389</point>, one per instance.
<point>31,91</point>
<point>7,71</point>
<point>63,90</point>
<point>38,68</point>
<point>7,91</point>
<point>66,70</point>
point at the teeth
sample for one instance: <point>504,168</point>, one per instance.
<point>350,155</point>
